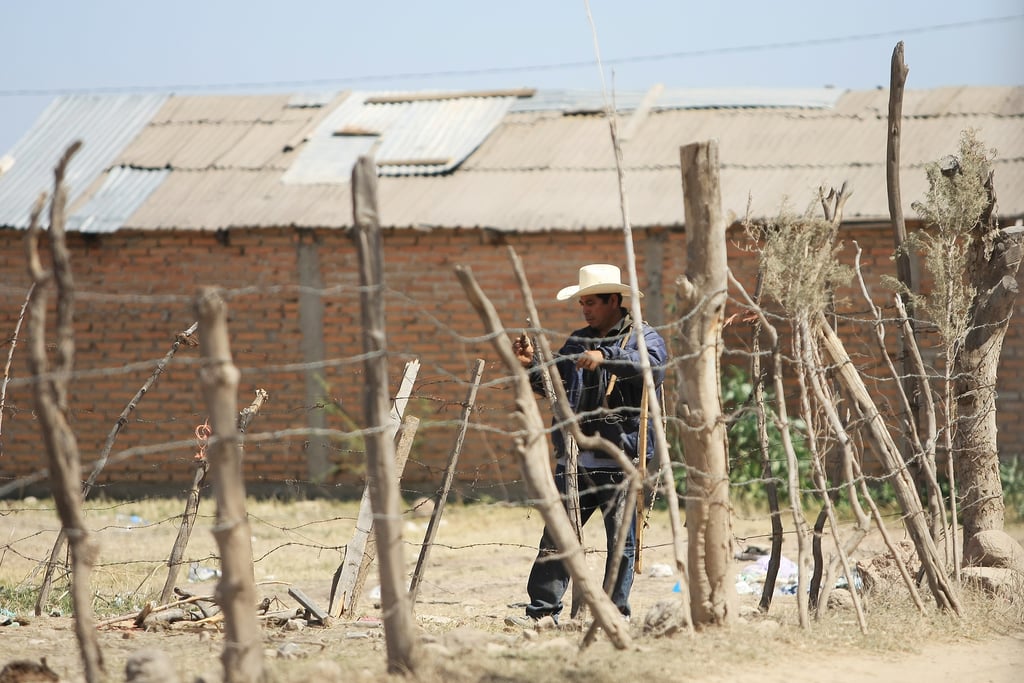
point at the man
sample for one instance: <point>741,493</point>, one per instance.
<point>600,369</point>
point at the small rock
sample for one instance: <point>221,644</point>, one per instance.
<point>665,618</point>
<point>840,598</point>
<point>998,581</point>
<point>289,651</point>
<point>295,624</point>
<point>994,548</point>
<point>26,671</point>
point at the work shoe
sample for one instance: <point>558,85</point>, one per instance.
<point>520,621</point>
<point>545,623</point>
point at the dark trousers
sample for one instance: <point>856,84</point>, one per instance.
<point>599,489</point>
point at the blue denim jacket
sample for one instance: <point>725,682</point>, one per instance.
<point>619,420</point>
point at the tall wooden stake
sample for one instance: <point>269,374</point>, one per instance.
<point>51,400</point>
<point>242,656</point>
<point>446,485</point>
<point>399,626</point>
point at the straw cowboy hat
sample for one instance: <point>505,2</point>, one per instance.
<point>596,278</point>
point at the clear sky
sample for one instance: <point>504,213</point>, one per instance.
<point>53,47</point>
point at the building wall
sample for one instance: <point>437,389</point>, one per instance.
<point>135,293</point>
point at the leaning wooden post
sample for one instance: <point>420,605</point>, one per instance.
<point>399,626</point>
<point>242,657</point>
<point>403,446</point>
<point>51,401</point>
<point>577,610</point>
<point>188,518</point>
<point>446,485</point>
<point>533,455</point>
<point>359,552</point>
<point>701,294</point>
<point>122,420</point>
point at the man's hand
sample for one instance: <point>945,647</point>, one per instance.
<point>590,360</point>
<point>523,348</point>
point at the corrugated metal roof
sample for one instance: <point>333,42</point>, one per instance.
<point>123,191</point>
<point>104,123</point>
<point>415,137</point>
<point>203,132</point>
<point>577,101</point>
<point>229,158</point>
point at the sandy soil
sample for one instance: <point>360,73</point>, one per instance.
<point>476,577</point>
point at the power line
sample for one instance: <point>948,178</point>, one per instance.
<point>528,68</point>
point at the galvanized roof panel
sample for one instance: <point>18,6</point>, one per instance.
<point>104,123</point>
<point>414,137</point>
<point>123,191</point>
<point>537,170</point>
<point>590,101</point>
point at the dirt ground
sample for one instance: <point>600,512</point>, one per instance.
<point>474,579</point>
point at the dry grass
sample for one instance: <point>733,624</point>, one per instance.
<point>477,570</point>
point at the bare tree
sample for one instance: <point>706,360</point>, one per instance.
<point>701,294</point>
<point>974,263</point>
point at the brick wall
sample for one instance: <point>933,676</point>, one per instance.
<point>135,293</point>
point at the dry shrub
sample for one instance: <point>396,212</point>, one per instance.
<point>956,197</point>
<point>799,262</point>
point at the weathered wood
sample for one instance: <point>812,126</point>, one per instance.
<point>242,656</point>
<point>641,499</point>
<point>351,574</point>
<point>446,485</point>
<point>812,383</point>
<point>10,358</point>
<point>993,261</point>
<point>701,295</point>
<point>385,497</point>
<point>188,517</point>
<point>310,605</point>
<point>122,420</point>
<point>897,82</point>
<point>549,373</point>
<point>403,446</point>
<point>913,385</point>
<point>889,457</point>
<point>50,393</point>
<point>780,417</point>
<point>532,452</point>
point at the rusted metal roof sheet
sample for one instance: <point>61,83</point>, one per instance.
<point>104,123</point>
